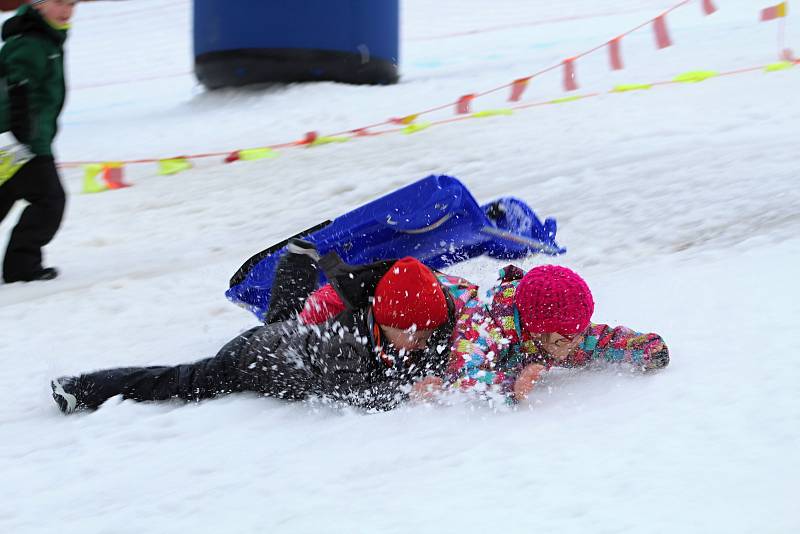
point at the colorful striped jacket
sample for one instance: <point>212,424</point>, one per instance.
<point>490,349</point>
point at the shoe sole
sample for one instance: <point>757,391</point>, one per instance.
<point>66,401</point>
<point>44,275</point>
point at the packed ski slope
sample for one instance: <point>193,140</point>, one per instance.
<point>679,205</point>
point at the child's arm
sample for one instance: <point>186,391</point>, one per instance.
<point>476,350</point>
<point>526,380</point>
<point>623,345</point>
<point>25,65</point>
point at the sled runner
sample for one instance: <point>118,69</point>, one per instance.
<point>435,220</point>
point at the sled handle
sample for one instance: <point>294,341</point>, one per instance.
<point>428,228</point>
<point>531,243</point>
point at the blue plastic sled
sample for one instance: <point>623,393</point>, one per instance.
<point>435,220</point>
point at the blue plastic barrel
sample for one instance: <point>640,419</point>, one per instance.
<point>240,42</point>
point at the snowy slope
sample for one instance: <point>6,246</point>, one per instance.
<point>679,205</point>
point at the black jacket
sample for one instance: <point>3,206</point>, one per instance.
<point>340,359</point>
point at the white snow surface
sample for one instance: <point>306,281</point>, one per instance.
<point>679,205</point>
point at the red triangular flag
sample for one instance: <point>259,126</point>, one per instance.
<point>709,7</point>
<point>570,84</point>
<point>464,104</point>
<point>517,88</point>
<point>774,12</point>
<point>614,54</point>
<point>309,138</point>
<point>662,35</point>
<point>113,177</point>
<point>233,156</point>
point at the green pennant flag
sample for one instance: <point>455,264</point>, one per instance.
<point>328,140</point>
<point>493,113</point>
<point>416,127</point>
<point>565,99</point>
<point>695,76</point>
<point>780,65</point>
<point>624,88</point>
<point>90,182</point>
<point>253,154</point>
<point>173,166</point>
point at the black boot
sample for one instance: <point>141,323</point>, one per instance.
<point>296,277</point>
<point>66,395</point>
<point>298,246</point>
<point>45,273</point>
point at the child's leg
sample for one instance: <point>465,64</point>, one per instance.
<point>196,381</point>
<point>39,184</point>
<point>7,200</point>
<point>296,277</point>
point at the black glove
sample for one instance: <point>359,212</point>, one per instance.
<point>19,117</point>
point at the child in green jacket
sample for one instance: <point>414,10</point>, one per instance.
<point>32,92</point>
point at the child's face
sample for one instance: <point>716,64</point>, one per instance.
<point>558,346</point>
<point>410,339</point>
<point>57,11</point>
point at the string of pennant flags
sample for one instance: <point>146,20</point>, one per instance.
<point>105,176</point>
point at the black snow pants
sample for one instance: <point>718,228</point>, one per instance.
<point>295,279</point>
<point>38,183</point>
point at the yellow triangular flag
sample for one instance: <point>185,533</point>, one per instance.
<point>90,174</point>
<point>566,99</point>
<point>631,87</point>
<point>492,113</point>
<point>252,154</point>
<point>328,140</point>
<point>694,76</point>
<point>416,127</point>
<point>173,166</point>
<point>780,65</point>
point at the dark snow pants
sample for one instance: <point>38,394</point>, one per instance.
<point>225,373</point>
<point>38,183</point>
<point>196,381</point>
<point>296,277</point>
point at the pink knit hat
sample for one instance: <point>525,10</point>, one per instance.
<point>551,298</point>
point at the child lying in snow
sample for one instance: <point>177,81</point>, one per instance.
<point>536,321</point>
<point>394,328</point>
<point>371,353</point>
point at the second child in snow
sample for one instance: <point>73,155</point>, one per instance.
<point>536,321</point>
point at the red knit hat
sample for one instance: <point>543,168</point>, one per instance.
<point>409,294</point>
<point>551,298</point>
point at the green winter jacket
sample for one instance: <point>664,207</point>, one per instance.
<point>33,55</point>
